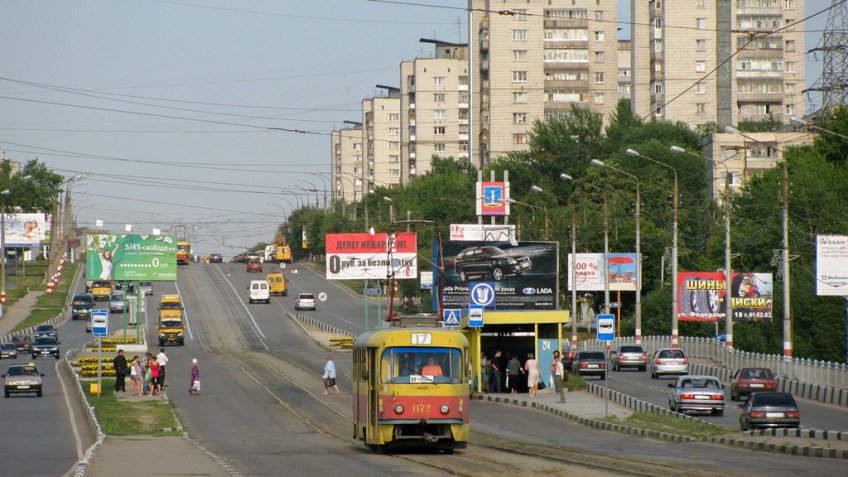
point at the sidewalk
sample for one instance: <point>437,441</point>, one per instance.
<point>14,314</point>
<point>579,404</point>
<point>165,455</point>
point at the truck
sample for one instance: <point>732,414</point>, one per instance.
<point>270,254</point>
<point>183,252</point>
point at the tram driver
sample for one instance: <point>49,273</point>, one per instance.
<point>431,368</point>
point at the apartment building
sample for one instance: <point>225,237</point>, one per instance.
<point>681,71</point>
<point>624,69</point>
<point>533,59</point>
<point>347,154</point>
<point>434,105</point>
<point>381,139</point>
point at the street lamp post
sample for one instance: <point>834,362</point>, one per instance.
<point>638,306</point>
<point>326,185</point>
<point>675,333</point>
<point>728,271</point>
<point>566,177</point>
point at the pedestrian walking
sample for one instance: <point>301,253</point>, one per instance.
<point>155,384</point>
<point>561,378</point>
<point>498,369</point>
<point>531,367</point>
<point>135,376</point>
<point>120,365</point>
<point>329,376</point>
<point>194,385</point>
<point>145,374</point>
<point>553,375</point>
<point>162,359</point>
<point>513,371</point>
<point>485,370</point>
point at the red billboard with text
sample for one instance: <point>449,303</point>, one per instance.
<point>361,256</point>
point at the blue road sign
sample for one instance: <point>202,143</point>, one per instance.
<point>373,291</point>
<point>606,327</point>
<point>481,294</point>
<point>451,317</point>
<point>475,316</point>
<point>100,322</point>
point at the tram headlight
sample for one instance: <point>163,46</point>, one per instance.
<point>445,409</point>
<point>399,409</point>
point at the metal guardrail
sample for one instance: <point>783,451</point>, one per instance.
<point>84,462</point>
<point>804,371</point>
<point>308,320</point>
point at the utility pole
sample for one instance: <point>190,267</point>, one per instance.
<point>787,315</point>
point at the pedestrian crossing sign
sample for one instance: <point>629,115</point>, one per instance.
<point>451,317</point>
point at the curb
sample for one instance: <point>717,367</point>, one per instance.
<point>302,321</point>
<point>806,451</point>
<point>639,405</point>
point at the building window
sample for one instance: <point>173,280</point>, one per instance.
<point>394,116</point>
<point>519,97</point>
<point>566,55</point>
<point>438,81</point>
<point>790,66</point>
<point>624,72</point>
<point>599,77</point>
<point>701,23</point>
<point>394,131</point>
<point>700,67</point>
<point>439,147</point>
<point>357,158</point>
<point>789,88</point>
<point>790,45</point>
<point>519,118</point>
<point>519,55</point>
<point>519,35</point>
<point>599,15</point>
<point>700,3</point>
<point>438,114</point>
<point>519,14</point>
<point>519,76</point>
<point>463,80</point>
<point>394,145</point>
<point>599,57</point>
<point>394,159</point>
<point>701,88</point>
<point>519,138</point>
<point>701,108</point>
<point>357,146</point>
<point>463,97</point>
<point>790,110</point>
<point>439,130</point>
<point>599,98</point>
<point>789,4</point>
<point>658,88</point>
<point>439,97</point>
<point>599,36</point>
<point>394,172</point>
<point>700,45</point>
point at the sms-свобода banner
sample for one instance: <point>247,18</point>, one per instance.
<point>131,257</point>
<point>702,294</point>
<point>361,256</point>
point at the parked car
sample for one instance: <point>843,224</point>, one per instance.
<point>254,266</point>
<point>46,330</point>
<point>769,409</point>
<point>668,361</point>
<point>748,380</point>
<point>22,378</point>
<point>628,356</point>
<point>489,261</point>
<point>81,305</point>
<point>45,346</point>
<point>590,363</point>
<point>304,301</point>
<point>215,258</point>
<point>8,350</point>
<point>22,343</point>
<point>697,393</point>
<point>117,303</point>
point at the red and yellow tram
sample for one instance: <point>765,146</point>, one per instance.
<point>411,388</point>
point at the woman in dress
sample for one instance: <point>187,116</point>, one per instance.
<point>531,366</point>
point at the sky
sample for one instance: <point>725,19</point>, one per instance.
<point>194,115</point>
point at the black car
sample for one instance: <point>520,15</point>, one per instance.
<point>769,409</point>
<point>216,258</point>
<point>46,330</point>
<point>22,343</point>
<point>489,261</point>
<point>590,363</point>
<point>127,286</point>
<point>81,306</point>
<point>45,346</point>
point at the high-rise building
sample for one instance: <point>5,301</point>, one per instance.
<point>434,107</point>
<point>381,140</point>
<point>624,69</point>
<point>535,59</point>
<point>348,163</point>
<point>723,61</point>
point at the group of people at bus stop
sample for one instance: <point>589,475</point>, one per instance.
<point>504,372</point>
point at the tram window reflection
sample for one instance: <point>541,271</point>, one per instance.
<point>421,365</point>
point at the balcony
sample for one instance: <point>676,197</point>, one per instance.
<point>462,105</point>
<point>566,23</point>
<point>412,155</point>
<point>462,87</point>
<point>412,122</point>
<point>412,106</point>
<point>462,137</point>
<point>761,97</point>
<point>484,45</point>
<point>484,65</point>
<point>463,122</point>
<point>412,138</point>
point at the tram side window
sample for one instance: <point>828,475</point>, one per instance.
<point>421,365</point>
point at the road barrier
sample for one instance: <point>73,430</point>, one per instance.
<point>638,405</point>
<point>85,461</point>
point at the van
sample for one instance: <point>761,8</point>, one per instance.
<point>260,290</point>
<point>102,289</point>
<point>171,327</point>
<point>277,282</point>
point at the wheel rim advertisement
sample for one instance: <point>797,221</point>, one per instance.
<point>702,296</point>
<point>131,257</point>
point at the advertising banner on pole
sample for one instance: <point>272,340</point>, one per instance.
<point>524,275</point>
<point>621,270</point>
<point>832,265</point>
<point>482,232</point>
<point>131,257</point>
<point>702,296</point>
<point>360,256</point>
<point>492,198</point>
<point>25,230</point>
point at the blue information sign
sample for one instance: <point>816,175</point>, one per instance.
<point>100,322</point>
<point>606,327</point>
<point>481,294</point>
<point>475,316</point>
<point>451,317</point>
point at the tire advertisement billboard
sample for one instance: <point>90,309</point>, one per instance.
<point>525,275</point>
<point>131,257</point>
<point>360,256</point>
<point>701,296</point>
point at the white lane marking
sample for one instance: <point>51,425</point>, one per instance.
<point>185,312</point>
<point>65,392</point>
<point>253,320</point>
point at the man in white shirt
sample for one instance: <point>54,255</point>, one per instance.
<point>162,359</point>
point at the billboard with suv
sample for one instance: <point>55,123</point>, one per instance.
<point>525,275</point>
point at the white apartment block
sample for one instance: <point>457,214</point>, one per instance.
<point>679,53</point>
<point>535,62</point>
<point>347,154</point>
<point>625,73</point>
<point>381,140</point>
<point>434,105</point>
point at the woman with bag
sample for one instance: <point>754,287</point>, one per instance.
<point>329,376</point>
<point>194,384</point>
<point>533,374</point>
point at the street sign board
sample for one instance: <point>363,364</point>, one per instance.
<point>475,316</point>
<point>606,327</point>
<point>481,293</point>
<point>451,317</point>
<point>373,291</point>
<point>100,322</point>
<point>615,304</point>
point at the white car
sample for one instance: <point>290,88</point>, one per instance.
<point>304,301</point>
<point>260,290</point>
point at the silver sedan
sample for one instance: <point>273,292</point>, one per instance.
<point>697,393</point>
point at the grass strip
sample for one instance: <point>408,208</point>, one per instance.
<point>132,418</point>
<point>47,307</point>
<point>657,422</point>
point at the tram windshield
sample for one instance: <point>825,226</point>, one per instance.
<point>421,365</point>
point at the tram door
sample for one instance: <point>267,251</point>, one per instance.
<point>373,393</point>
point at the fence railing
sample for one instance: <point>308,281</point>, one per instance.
<point>810,371</point>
